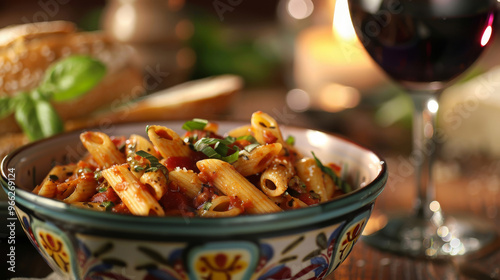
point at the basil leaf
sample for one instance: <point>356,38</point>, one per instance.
<point>155,164</point>
<point>220,149</point>
<point>108,205</point>
<point>232,157</point>
<point>26,117</point>
<point>250,147</point>
<point>72,77</point>
<point>195,124</point>
<point>48,120</point>
<point>344,186</point>
<point>249,138</point>
<point>7,105</point>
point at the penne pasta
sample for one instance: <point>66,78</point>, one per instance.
<point>257,160</point>
<point>133,194</point>
<point>251,171</point>
<point>265,128</point>
<point>220,207</point>
<point>138,143</point>
<point>232,183</point>
<point>102,149</point>
<point>157,181</point>
<point>312,176</point>
<point>187,180</point>
<point>240,131</point>
<point>59,173</point>
<point>82,191</point>
<point>169,143</point>
<point>274,180</point>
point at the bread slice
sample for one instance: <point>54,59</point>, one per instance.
<point>26,51</point>
<point>203,98</point>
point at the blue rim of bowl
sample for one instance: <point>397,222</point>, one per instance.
<point>249,224</point>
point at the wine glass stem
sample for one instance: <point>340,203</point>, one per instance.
<point>424,147</point>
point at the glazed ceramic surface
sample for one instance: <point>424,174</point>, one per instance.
<point>307,243</point>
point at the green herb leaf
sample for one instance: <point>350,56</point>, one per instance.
<point>26,117</point>
<point>207,205</point>
<point>344,186</point>
<point>102,189</point>
<point>48,119</point>
<point>220,149</point>
<point>250,147</point>
<point>290,140</point>
<point>7,105</point>
<point>97,175</point>
<point>232,157</point>
<point>72,77</point>
<point>108,205</point>
<point>195,124</point>
<point>249,138</point>
<point>155,164</point>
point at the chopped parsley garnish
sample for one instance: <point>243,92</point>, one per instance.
<point>102,189</point>
<point>218,148</point>
<point>290,140</point>
<point>250,147</point>
<point>195,124</point>
<point>207,205</point>
<point>108,205</point>
<point>97,175</point>
<point>344,186</point>
<point>155,165</point>
<point>249,138</point>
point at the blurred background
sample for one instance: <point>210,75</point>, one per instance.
<point>305,63</point>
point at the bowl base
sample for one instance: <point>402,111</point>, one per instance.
<point>457,235</point>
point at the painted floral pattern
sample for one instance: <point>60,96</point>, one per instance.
<point>220,266</point>
<point>311,255</point>
<point>56,249</point>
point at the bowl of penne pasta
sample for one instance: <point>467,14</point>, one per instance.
<point>194,199</point>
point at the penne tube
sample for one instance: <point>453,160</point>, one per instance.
<point>329,186</point>
<point>157,181</point>
<point>311,174</point>
<point>257,160</point>
<point>225,178</point>
<point>102,149</point>
<point>187,180</point>
<point>240,131</point>
<point>265,128</point>
<point>59,173</point>
<point>138,143</point>
<point>220,208</point>
<point>168,142</point>
<point>84,189</point>
<point>134,195</point>
<point>274,180</point>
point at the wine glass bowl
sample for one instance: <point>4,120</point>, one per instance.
<point>424,46</point>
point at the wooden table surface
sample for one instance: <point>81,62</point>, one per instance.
<point>473,189</point>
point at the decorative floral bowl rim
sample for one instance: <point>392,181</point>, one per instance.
<point>249,224</point>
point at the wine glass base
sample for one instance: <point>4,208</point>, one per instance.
<point>422,238</point>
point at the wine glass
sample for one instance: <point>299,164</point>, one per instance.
<point>423,45</point>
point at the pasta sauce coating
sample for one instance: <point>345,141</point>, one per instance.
<point>251,170</point>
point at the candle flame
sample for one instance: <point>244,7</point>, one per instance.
<point>342,24</point>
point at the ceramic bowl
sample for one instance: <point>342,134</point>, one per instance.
<point>307,243</point>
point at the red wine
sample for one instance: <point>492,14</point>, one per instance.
<point>423,41</point>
